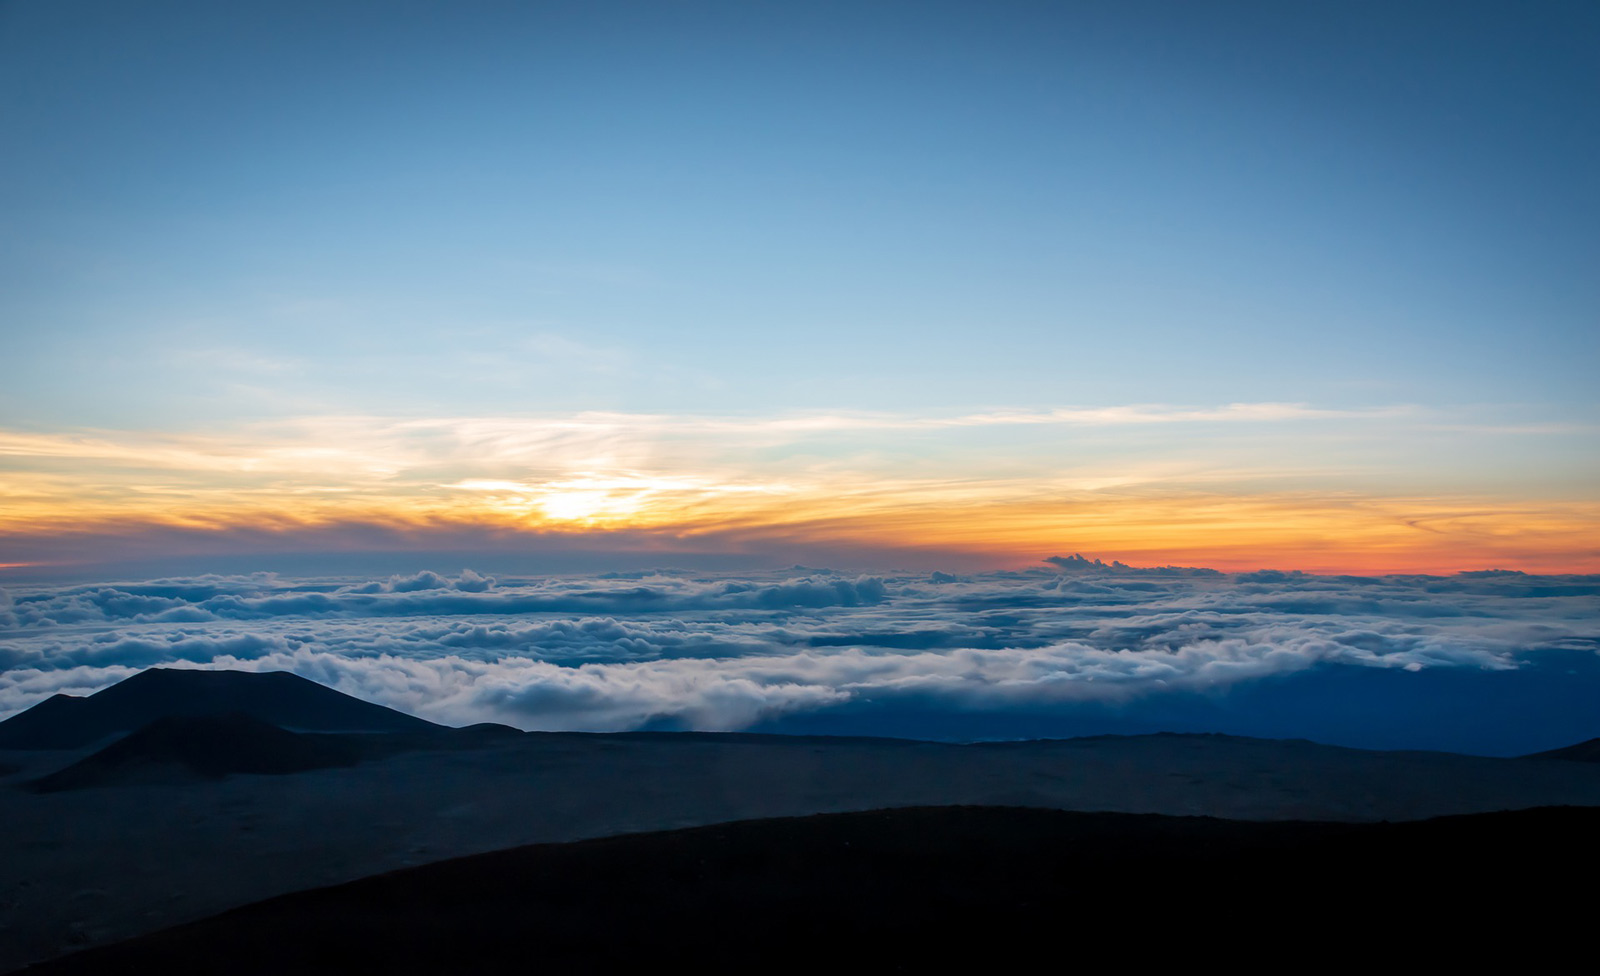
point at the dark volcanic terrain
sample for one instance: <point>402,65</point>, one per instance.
<point>206,747</point>
<point>274,697</point>
<point>225,802</point>
<point>925,889</point>
<point>1582,752</point>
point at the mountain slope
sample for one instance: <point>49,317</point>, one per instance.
<point>206,747</point>
<point>274,697</point>
<point>939,889</point>
<point>1588,751</point>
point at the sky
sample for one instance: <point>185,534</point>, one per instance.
<point>381,287</point>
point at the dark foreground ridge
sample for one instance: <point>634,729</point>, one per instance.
<point>931,887</point>
<point>275,697</point>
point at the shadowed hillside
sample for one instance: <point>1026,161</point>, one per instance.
<point>899,889</point>
<point>1581,752</point>
<point>208,747</point>
<point>275,697</point>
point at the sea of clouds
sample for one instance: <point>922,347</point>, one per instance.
<point>674,649</point>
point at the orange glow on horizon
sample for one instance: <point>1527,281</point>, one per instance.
<point>851,485</point>
<point>898,523</point>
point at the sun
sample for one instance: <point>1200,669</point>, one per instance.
<point>586,505</point>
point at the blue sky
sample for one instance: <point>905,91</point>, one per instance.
<point>1354,203</point>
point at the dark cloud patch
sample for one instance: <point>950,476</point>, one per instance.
<point>927,640</point>
<point>1076,564</point>
<point>1269,576</point>
<point>1502,713</point>
<point>172,648</point>
<point>430,594</point>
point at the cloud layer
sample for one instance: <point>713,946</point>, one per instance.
<point>670,649</point>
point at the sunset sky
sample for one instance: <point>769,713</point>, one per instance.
<point>922,285</point>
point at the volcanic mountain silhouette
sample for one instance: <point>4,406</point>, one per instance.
<point>1588,751</point>
<point>273,697</point>
<point>209,747</point>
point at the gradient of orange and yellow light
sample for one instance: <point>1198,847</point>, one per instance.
<point>1274,485</point>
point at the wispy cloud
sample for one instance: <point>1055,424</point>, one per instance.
<point>1088,478</point>
<point>516,437</point>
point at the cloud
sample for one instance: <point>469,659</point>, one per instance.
<point>1077,564</point>
<point>724,652</point>
<point>468,582</point>
<point>430,594</point>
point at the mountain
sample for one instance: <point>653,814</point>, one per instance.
<point>1582,752</point>
<point>946,889</point>
<point>274,697</point>
<point>182,747</point>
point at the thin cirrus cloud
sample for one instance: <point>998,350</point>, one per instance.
<point>286,444</point>
<point>669,648</point>
<point>1266,484</point>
